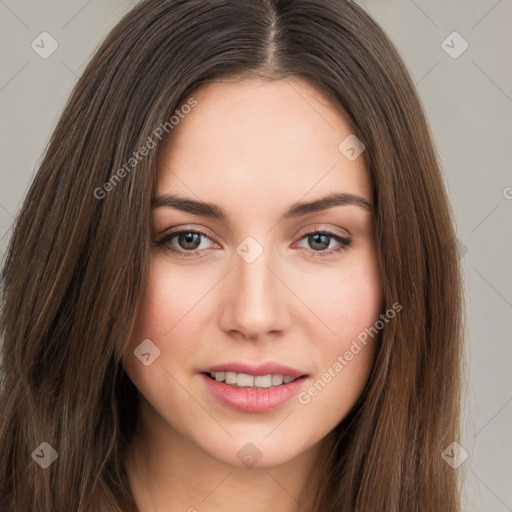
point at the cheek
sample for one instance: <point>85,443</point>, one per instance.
<point>344,357</point>
<point>168,317</point>
<point>348,299</point>
<point>358,305</point>
<point>173,300</point>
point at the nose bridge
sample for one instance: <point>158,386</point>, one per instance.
<point>255,304</point>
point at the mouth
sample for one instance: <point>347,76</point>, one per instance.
<point>244,380</point>
<point>249,388</point>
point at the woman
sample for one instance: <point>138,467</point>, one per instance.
<point>234,282</point>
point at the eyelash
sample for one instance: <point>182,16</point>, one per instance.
<point>343,241</point>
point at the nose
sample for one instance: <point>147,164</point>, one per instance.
<point>255,302</point>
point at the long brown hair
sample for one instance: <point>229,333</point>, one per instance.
<point>78,258</point>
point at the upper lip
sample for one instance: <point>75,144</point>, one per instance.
<point>265,368</point>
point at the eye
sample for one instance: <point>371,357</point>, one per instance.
<point>188,242</point>
<point>319,241</point>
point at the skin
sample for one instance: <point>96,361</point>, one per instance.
<point>254,148</point>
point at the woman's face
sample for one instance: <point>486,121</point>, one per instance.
<point>266,294</point>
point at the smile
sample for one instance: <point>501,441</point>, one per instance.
<point>244,380</point>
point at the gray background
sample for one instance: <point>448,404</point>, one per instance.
<point>468,101</point>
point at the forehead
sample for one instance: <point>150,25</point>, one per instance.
<point>276,138</point>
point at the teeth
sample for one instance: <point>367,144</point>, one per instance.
<point>277,380</point>
<point>244,380</point>
<point>263,381</point>
<point>229,379</point>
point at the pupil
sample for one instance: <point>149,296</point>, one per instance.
<point>316,239</point>
<point>189,238</point>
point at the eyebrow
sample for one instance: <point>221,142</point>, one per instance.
<point>296,210</point>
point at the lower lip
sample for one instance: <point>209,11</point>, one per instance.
<point>252,399</point>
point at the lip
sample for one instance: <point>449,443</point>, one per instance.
<point>265,368</point>
<point>252,399</point>
<point>247,399</point>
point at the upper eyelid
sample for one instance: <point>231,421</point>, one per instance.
<point>313,227</point>
<point>179,230</point>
